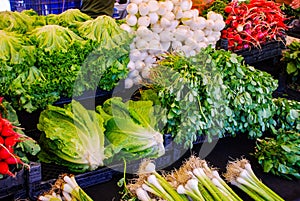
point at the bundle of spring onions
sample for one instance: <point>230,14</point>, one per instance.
<point>162,26</point>
<point>194,180</point>
<point>240,174</point>
<point>65,188</point>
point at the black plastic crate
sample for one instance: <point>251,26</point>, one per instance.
<point>38,180</point>
<point>45,7</point>
<point>269,50</point>
<point>13,186</point>
<point>89,99</point>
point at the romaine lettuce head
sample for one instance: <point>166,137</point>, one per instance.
<point>130,128</point>
<point>72,136</point>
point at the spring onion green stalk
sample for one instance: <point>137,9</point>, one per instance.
<point>70,186</point>
<point>240,174</point>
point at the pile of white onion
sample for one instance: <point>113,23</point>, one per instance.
<point>162,26</point>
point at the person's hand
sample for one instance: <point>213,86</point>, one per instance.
<point>295,4</point>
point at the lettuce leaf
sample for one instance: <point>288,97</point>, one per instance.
<point>130,128</point>
<point>72,136</point>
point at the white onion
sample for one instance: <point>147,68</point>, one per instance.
<point>186,5</point>
<point>128,82</point>
<point>178,12</point>
<point>131,66</point>
<point>134,55</point>
<point>139,65</point>
<point>132,8</point>
<point>162,8</point>
<point>136,1</point>
<point>156,28</point>
<point>166,45</point>
<point>150,59</point>
<point>133,74</point>
<point>137,80</point>
<point>143,21</point>
<point>145,73</point>
<point>169,5</point>
<point>153,17</point>
<point>165,23</point>
<point>153,5</point>
<point>131,20</point>
<point>166,36</point>
<point>169,16</point>
<point>144,9</point>
<point>141,44</point>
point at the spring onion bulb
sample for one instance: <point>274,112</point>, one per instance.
<point>142,195</point>
<point>240,174</point>
<point>143,21</point>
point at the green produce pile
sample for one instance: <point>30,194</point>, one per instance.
<point>211,94</point>
<point>44,58</point>
<point>115,131</point>
<point>280,154</point>
<point>292,57</point>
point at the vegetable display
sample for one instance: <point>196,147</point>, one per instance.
<point>162,26</point>
<point>62,128</point>
<point>130,128</point>
<point>213,93</point>
<point>280,154</point>
<point>56,56</point>
<point>65,188</point>
<point>249,25</point>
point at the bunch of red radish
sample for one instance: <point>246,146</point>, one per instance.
<point>8,139</point>
<point>250,24</point>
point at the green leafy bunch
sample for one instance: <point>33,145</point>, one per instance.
<point>287,115</point>
<point>107,63</point>
<point>212,94</point>
<point>292,57</point>
<point>249,92</point>
<point>192,92</point>
<point>280,155</point>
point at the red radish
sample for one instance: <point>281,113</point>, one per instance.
<point>1,140</point>
<point>4,169</point>
<point>11,141</point>
<point>5,152</point>
<point>13,160</point>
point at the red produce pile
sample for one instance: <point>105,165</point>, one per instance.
<point>250,24</point>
